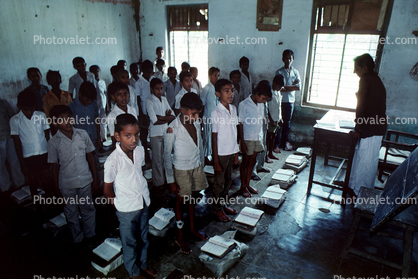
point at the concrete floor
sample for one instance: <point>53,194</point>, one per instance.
<point>304,239</point>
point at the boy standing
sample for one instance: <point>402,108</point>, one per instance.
<point>225,147</point>
<point>126,188</point>
<point>82,75</point>
<point>101,100</point>
<point>160,54</point>
<point>235,77</point>
<point>291,85</point>
<point>196,84</point>
<point>274,117</point>
<point>186,83</point>
<point>251,132</point>
<point>184,170</point>
<point>172,86</point>
<point>56,96</point>
<point>245,82</point>
<point>123,76</point>
<point>160,70</point>
<point>134,70</point>
<point>74,174</point>
<point>38,90</point>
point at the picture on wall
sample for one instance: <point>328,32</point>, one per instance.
<point>269,15</point>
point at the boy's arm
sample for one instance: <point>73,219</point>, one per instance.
<point>46,134</point>
<point>19,152</point>
<point>216,165</point>
<point>241,138</point>
<point>109,192</point>
<point>169,139</point>
<point>55,172</point>
<point>71,87</point>
<point>92,166</point>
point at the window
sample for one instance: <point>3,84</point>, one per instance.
<point>188,34</point>
<point>342,30</point>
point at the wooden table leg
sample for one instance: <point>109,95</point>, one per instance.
<point>313,161</point>
<point>351,233</point>
<point>408,240</point>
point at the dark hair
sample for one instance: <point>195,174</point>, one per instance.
<point>51,74</point>
<point>185,74</point>
<point>121,72</point>
<point>244,60</point>
<point>32,69</point>
<point>212,70</point>
<point>160,62</point>
<point>26,99</point>
<point>93,68</point>
<point>159,48</point>
<point>115,87</point>
<point>171,69</point>
<point>146,66</point>
<point>192,69</point>
<point>114,70</point>
<point>263,88</point>
<point>220,83</point>
<point>233,73</point>
<point>121,63</point>
<point>191,101</point>
<point>133,66</point>
<point>288,52</point>
<point>185,65</point>
<point>77,60</point>
<point>365,60</point>
<point>88,90</point>
<point>59,110</point>
<point>279,80</point>
<point>154,82</point>
<point>124,119</point>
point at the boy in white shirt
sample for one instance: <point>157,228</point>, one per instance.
<point>101,100</point>
<point>172,86</point>
<point>160,70</point>
<point>186,82</point>
<point>82,75</point>
<point>250,129</point>
<point>127,189</point>
<point>123,76</point>
<point>235,77</point>
<point>245,82</point>
<point>118,92</point>
<point>160,114</point>
<point>134,70</point>
<point>184,170</point>
<point>225,147</point>
<point>196,84</point>
<point>274,117</point>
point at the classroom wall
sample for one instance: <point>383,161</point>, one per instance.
<point>21,21</point>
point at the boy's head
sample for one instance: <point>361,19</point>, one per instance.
<point>185,66</point>
<point>113,71</point>
<point>87,93</point>
<point>223,90</point>
<point>34,75</point>
<point>262,92</point>
<point>172,73</point>
<point>119,93</point>
<point>79,64</point>
<point>363,64</point>
<point>26,102</point>
<point>288,57</point>
<point>191,105</point>
<point>160,52</point>
<point>62,117</point>
<point>96,71</point>
<point>134,69</point>
<point>186,80</point>
<point>122,76</point>
<point>127,131</point>
<point>156,86</point>
<point>194,72</point>
<point>122,64</point>
<point>244,63</point>
<point>213,75</point>
<point>160,65</point>
<point>235,76</point>
<point>146,69</point>
<point>53,78</point>
<point>278,82</point>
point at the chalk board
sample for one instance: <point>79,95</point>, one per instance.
<point>401,185</point>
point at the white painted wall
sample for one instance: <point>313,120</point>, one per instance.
<point>21,20</point>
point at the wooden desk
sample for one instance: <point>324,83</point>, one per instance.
<point>328,130</point>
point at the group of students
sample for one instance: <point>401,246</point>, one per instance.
<point>234,116</point>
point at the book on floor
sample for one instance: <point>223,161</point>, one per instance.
<point>59,220</point>
<point>284,177</point>
<point>218,246</point>
<point>249,216</point>
<point>209,170</point>
<point>274,196</point>
<point>109,250</point>
<point>161,218</point>
<point>21,194</point>
<point>304,151</point>
<point>296,162</point>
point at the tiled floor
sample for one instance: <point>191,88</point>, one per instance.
<point>304,239</point>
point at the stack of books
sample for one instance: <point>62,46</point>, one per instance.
<point>296,163</point>
<point>274,196</point>
<point>304,151</point>
<point>247,219</point>
<point>158,224</point>
<point>285,178</point>
<point>218,246</point>
<point>108,255</point>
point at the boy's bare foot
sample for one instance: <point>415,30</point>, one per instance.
<point>222,217</point>
<point>252,190</point>
<point>201,235</point>
<point>230,210</point>
<point>151,271</point>
<point>268,160</point>
<point>184,247</point>
<point>271,156</point>
<point>245,193</point>
<point>277,150</point>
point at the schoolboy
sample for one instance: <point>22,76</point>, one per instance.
<point>74,174</point>
<point>30,132</point>
<point>55,96</point>
<point>185,67</point>
<point>113,72</point>
<point>291,85</point>
<point>172,86</point>
<point>37,88</point>
<point>126,188</point>
<point>134,70</point>
<point>245,82</point>
<point>186,84</point>
<point>160,70</point>
<point>274,117</point>
<point>119,93</point>
<point>209,101</point>
<point>225,147</point>
<point>184,171</point>
<point>251,120</point>
<point>235,77</point>
<point>82,75</point>
<point>101,100</point>
<point>123,76</point>
<point>196,84</point>
<point>86,114</point>
<point>160,114</point>
<point>159,51</point>
<point>122,65</point>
